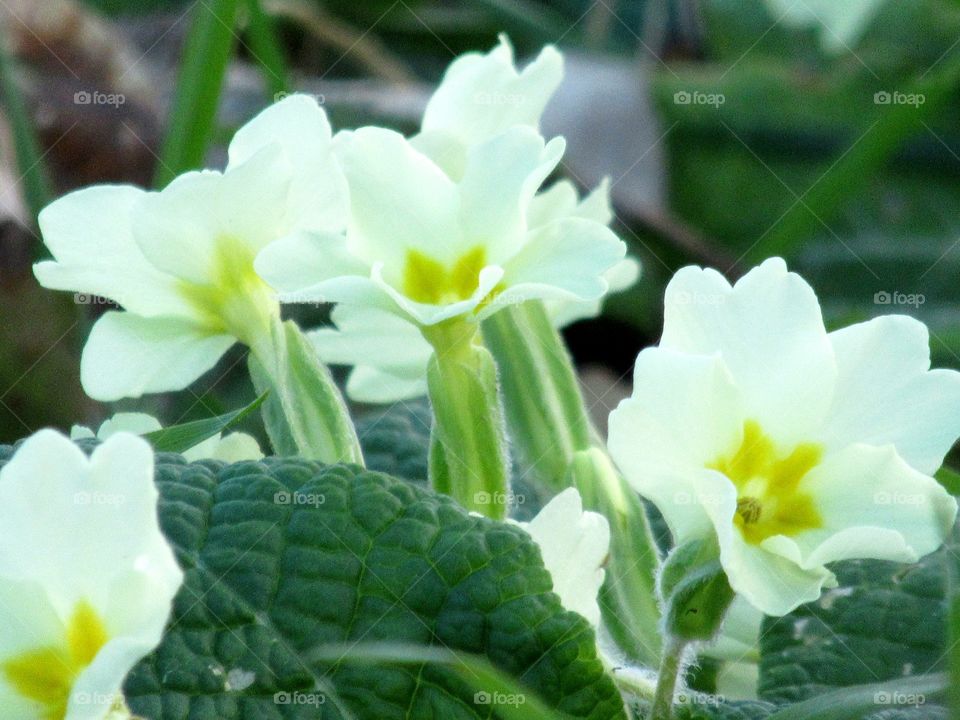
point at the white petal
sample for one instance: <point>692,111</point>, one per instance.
<point>235,447</point>
<point>369,384</point>
<point>400,200</point>
<point>620,277</point>
<point>683,414</point>
<point>318,192</point>
<point>564,260</point>
<point>501,178</point>
<point>596,206</point>
<point>886,392</point>
<point>771,583</point>
<point>127,355</point>
<point>373,337</point>
<point>769,330</point>
<point>574,545</point>
<point>180,228</point>
<point>136,423</point>
<point>482,95</point>
<point>558,201</point>
<point>90,233</point>
<point>295,264</point>
<point>873,505</point>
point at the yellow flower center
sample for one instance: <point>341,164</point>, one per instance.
<point>47,675</point>
<point>236,301</point>
<point>429,281</point>
<point>770,497</point>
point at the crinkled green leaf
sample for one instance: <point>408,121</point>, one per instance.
<point>286,557</point>
<point>884,621</point>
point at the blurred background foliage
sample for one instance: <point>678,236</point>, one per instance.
<point>729,135</point>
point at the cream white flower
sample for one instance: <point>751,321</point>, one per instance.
<point>180,261</point>
<point>794,447</point>
<point>481,96</point>
<point>574,544</point>
<point>840,24</point>
<point>87,580</point>
<point>359,334</point>
<point>233,447</point>
<point>430,249</point>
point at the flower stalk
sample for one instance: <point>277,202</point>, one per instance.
<point>304,414</point>
<point>468,458</point>
<point>543,403</point>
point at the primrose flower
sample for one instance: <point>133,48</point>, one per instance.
<point>234,447</point>
<point>482,96</point>
<point>180,261</point>
<point>793,447</point>
<point>574,544</point>
<point>430,249</point>
<point>358,333</point>
<point>87,580</point>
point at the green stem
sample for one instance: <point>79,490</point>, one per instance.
<point>468,458</point>
<point>628,598</point>
<point>543,402</point>
<point>670,666</point>
<point>305,413</point>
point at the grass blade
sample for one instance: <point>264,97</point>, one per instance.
<point>180,438</point>
<point>192,121</point>
<point>29,160</point>
<point>266,49</point>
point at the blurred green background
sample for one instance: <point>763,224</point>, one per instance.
<point>730,133</point>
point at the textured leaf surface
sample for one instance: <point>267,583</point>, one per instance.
<point>884,621</point>
<point>283,558</point>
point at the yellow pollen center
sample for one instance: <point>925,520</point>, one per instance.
<point>235,300</point>
<point>429,281</point>
<point>770,495</point>
<point>47,675</point>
